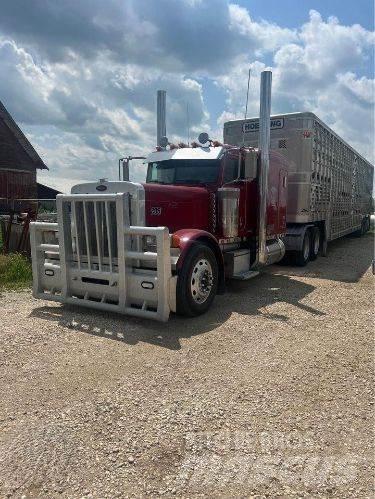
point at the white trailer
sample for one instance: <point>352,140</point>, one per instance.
<point>329,183</point>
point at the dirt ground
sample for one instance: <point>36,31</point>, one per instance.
<point>267,395</point>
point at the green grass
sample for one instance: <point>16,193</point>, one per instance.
<point>15,271</point>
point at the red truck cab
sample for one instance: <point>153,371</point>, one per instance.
<point>182,189</point>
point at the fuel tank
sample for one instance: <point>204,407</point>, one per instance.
<point>178,207</point>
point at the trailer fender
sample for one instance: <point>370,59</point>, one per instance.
<point>185,238</point>
<point>294,236</point>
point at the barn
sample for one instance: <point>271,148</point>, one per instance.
<point>19,162</point>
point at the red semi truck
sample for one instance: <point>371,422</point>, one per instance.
<point>205,214</point>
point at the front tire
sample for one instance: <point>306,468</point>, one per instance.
<point>197,281</point>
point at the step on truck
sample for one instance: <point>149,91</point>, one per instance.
<point>207,213</point>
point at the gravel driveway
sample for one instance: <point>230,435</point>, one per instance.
<point>267,395</point>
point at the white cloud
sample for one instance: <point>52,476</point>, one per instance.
<point>362,88</point>
<point>266,36</point>
<point>319,72</point>
<point>86,95</point>
<point>91,113</point>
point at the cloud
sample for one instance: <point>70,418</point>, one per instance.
<point>89,112</point>
<point>81,77</point>
<point>174,35</point>
<point>317,72</point>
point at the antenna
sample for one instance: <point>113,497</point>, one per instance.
<point>247,93</point>
<point>188,123</point>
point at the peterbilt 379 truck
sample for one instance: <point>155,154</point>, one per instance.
<point>206,213</point>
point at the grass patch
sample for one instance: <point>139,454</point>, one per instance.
<point>15,271</point>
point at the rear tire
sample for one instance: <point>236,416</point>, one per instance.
<point>367,224</point>
<point>197,281</point>
<point>314,243</point>
<point>303,255</point>
<point>361,232</point>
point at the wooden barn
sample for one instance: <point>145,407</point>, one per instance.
<point>18,162</point>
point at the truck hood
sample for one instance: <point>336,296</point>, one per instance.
<point>177,207</point>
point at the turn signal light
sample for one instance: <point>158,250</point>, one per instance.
<point>175,241</point>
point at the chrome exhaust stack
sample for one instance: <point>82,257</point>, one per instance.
<point>161,128</point>
<point>264,147</point>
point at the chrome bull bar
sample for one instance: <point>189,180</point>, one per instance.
<point>96,258</point>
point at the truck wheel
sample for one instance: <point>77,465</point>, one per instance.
<point>315,243</point>
<point>197,281</point>
<point>302,256</point>
<point>360,232</point>
<point>366,225</point>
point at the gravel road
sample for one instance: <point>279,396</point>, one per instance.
<point>267,395</point>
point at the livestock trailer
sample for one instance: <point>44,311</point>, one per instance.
<point>329,183</point>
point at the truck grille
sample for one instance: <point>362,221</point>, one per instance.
<point>100,258</point>
<point>93,233</point>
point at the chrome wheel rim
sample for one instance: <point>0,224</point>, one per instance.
<point>201,281</point>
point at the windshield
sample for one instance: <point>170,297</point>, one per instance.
<point>183,171</point>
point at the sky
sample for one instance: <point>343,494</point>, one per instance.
<point>80,76</point>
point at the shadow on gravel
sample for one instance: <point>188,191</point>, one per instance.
<point>347,260</point>
<point>251,298</point>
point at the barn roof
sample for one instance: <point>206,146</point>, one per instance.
<point>7,119</point>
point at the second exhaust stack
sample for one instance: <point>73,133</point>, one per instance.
<point>264,146</point>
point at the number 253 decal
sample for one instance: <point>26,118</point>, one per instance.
<point>156,210</point>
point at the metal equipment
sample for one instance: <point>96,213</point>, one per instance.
<point>161,128</point>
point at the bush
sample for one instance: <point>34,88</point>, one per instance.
<point>15,271</point>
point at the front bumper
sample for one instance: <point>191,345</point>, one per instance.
<point>96,260</point>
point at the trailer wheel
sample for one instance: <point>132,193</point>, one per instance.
<point>315,243</point>
<point>197,281</point>
<point>303,255</point>
<point>362,231</point>
<point>367,225</point>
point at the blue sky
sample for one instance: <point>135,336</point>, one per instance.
<point>293,13</point>
<point>81,76</point>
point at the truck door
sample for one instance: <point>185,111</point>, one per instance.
<point>230,179</point>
